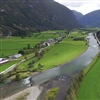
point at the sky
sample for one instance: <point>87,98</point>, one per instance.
<point>83,6</point>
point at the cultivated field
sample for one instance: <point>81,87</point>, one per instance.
<point>12,45</point>
<point>55,54</point>
<point>90,86</point>
<point>60,53</point>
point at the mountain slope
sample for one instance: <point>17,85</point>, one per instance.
<point>78,15</point>
<point>22,16</point>
<point>91,19</point>
<point>98,35</point>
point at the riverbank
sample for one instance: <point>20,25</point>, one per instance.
<point>32,91</point>
<point>70,68</point>
<point>90,87</point>
<point>61,82</point>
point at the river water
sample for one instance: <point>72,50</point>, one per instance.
<point>70,69</point>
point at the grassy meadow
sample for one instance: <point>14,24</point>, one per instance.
<point>55,54</point>
<point>90,86</point>
<point>60,53</point>
<point>51,94</point>
<point>7,65</point>
<point>12,45</point>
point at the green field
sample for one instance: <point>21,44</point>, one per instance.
<point>90,86</point>
<point>56,54</point>
<point>60,53</point>
<point>51,94</point>
<point>12,45</point>
<point>7,65</point>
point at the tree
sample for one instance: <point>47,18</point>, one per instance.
<point>17,76</point>
<point>21,52</point>
<point>28,46</point>
<point>2,77</point>
<point>31,64</point>
<point>2,55</point>
<point>15,69</point>
<point>39,66</point>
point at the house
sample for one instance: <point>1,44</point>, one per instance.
<point>44,44</point>
<point>15,56</point>
<point>3,60</point>
<point>50,41</point>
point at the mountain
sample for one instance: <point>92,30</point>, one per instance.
<point>91,19</point>
<point>78,15</point>
<point>98,35</point>
<point>19,17</point>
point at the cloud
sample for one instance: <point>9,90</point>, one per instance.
<point>83,6</point>
<point>98,5</point>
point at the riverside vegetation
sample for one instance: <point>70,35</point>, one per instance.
<point>85,85</point>
<point>90,87</point>
<point>51,94</point>
<point>78,88</point>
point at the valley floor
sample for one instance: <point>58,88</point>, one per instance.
<point>90,86</point>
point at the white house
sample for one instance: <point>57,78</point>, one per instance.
<point>3,60</point>
<point>15,56</point>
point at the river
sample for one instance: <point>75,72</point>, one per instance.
<point>70,68</point>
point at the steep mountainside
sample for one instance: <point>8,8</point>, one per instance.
<point>91,19</point>
<point>78,15</point>
<point>98,35</point>
<point>19,17</point>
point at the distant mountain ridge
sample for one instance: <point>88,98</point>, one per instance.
<point>78,15</point>
<point>91,19</point>
<point>20,17</point>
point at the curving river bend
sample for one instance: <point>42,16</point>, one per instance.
<point>70,68</point>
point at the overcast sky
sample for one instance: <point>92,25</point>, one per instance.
<point>83,6</point>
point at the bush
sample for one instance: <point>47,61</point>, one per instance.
<point>51,94</point>
<point>2,77</point>
<point>71,92</point>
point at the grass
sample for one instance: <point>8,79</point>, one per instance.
<point>87,69</point>
<point>90,86</point>
<point>7,65</point>
<point>25,64</point>
<point>12,45</point>
<point>78,34</point>
<point>61,53</point>
<point>56,54</point>
<point>51,94</point>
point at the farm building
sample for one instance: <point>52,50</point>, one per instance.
<point>15,56</point>
<point>44,44</point>
<point>3,60</point>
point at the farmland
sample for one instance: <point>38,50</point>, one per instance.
<point>60,53</point>
<point>63,52</point>
<point>90,87</point>
<point>12,45</point>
